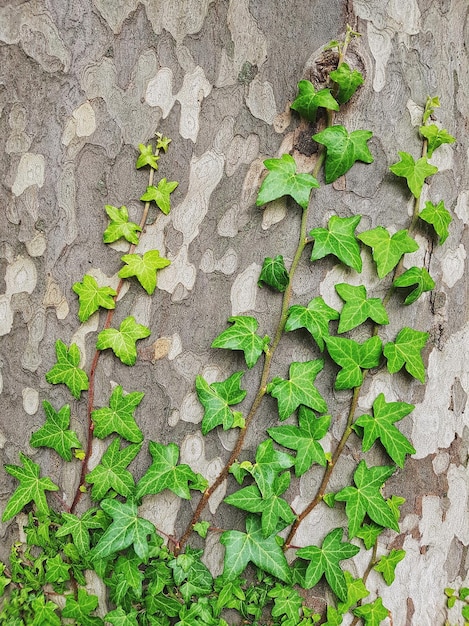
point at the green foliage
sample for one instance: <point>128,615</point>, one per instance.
<point>160,194</point>
<point>299,389</point>
<point>309,100</point>
<point>358,308</point>
<point>122,342</point>
<point>435,137</point>
<point>120,227</point>
<point>283,180</point>
<point>352,357</point>
<point>347,80</point>
<point>111,473</point>
<point>144,268</point>
<point>373,613</point>
<point>242,336</point>
<point>387,565</point>
<point>118,417</point>
<point>217,399</point>
<point>315,318</point>
<point>92,296</point>
<point>274,273</point>
<point>415,172</point>
<point>415,276</point>
<point>438,216</point>
<point>387,249</point>
<point>406,351</point>
<point>55,433</point>
<point>66,369</point>
<point>343,149</point>
<point>338,239</point>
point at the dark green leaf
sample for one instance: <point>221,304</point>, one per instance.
<point>406,351</point>
<point>439,217</point>
<point>242,336</point>
<point>358,308</point>
<point>144,268</point>
<point>216,400</point>
<point>435,137</point>
<point>160,194</point>
<point>118,417</point>
<point>55,433</point>
<point>343,149</point>
<point>387,250</point>
<point>387,565</point>
<point>352,358</point>
<point>415,172</point>
<point>123,341</point>
<point>284,181</point>
<point>111,472</point>
<point>338,239</point>
<point>66,369</point>
<point>274,273</point>
<point>80,609</point>
<point>120,227</point>
<point>373,613</point>
<point>146,157</point>
<point>308,100</point>
<point>269,462</point>
<point>315,318</point>
<point>92,296</point>
<point>299,389</point>
<point>415,276</point>
<point>348,81</point>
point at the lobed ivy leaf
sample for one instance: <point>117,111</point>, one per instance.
<point>309,100</point>
<point>80,609</point>
<point>369,533</point>
<point>381,426</point>
<point>66,369</point>
<point>57,570</point>
<point>162,143</point>
<point>44,612</point>
<point>387,565</point>
<point>356,591</point>
<point>352,358</point>
<point>387,250</point>
<point>415,276</point>
<point>120,227</point>
<point>366,498</point>
<point>304,438</point>
<point>348,81</point>
<point>283,180</point>
<point>358,308</point>
<point>119,617</point>
<point>373,613</point>
<point>242,336</point>
<point>406,351</point>
<point>299,389</point>
<point>325,561</point>
<point>435,137</point>
<point>315,318</point>
<point>242,548</point>
<point>201,528</point>
<point>334,617</point>
<point>217,399</point>
<point>269,462</point>
<point>55,433</point>
<point>118,417</point>
<point>78,528</point>
<point>274,273</point>
<point>91,297</point>
<point>31,488</point>
<point>338,239</point>
<point>439,217</point>
<point>111,473</point>
<point>122,342</point>
<point>147,157</point>
<point>160,194</point>
<point>287,601</point>
<point>144,268</point>
<point>415,172</point>
<point>343,149</point>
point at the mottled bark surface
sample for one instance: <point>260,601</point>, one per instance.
<point>82,84</point>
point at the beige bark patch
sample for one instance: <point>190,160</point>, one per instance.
<point>30,172</point>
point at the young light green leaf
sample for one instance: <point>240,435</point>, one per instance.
<point>287,601</point>
<point>415,172</point>
<point>79,528</point>
<point>162,143</point>
<point>165,473</point>
<point>118,417</point>
<point>120,227</point>
<point>309,100</point>
<point>80,609</point>
<point>334,617</point>
<point>91,297</point>
<point>274,273</point>
<point>358,308</point>
<point>111,473</point>
<point>31,488</point>
<point>160,194</point>
<point>201,528</point>
<point>119,617</point>
<point>55,433</point>
<point>284,181</point>
<point>304,438</point>
<point>415,276</point>
<point>439,217</point>
<point>44,612</point>
<point>252,546</point>
<point>299,389</point>
<point>338,239</point>
<point>356,591</point>
<point>343,149</point>
<point>406,351</point>
<point>147,157</point>
<point>366,499</point>
<point>217,399</point>
<point>269,462</point>
<point>242,336</point>
<point>430,105</point>
<point>373,613</point>
<point>122,342</point>
<point>352,358</point>
<point>381,426</point>
<point>435,137</point>
<point>387,250</point>
<point>66,369</point>
<point>369,533</point>
<point>348,81</point>
<point>315,318</point>
<point>325,561</point>
<point>144,268</point>
<point>387,565</point>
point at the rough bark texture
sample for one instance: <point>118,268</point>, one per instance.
<point>82,84</point>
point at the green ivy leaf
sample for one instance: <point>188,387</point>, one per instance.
<point>309,100</point>
<point>415,172</point>
<point>406,351</point>
<point>284,181</point>
<point>387,250</point>
<point>119,617</point>
<point>343,149</point>
<point>274,273</point>
<point>122,342</point>
<point>269,462</point>
<point>66,369</point>
<point>325,561</point>
<point>80,609</point>
<point>111,473</point>
<point>356,591</point>
<point>118,417</point>
<point>373,613</point>
<point>352,358</point>
<point>415,276</point>
<point>31,488</point>
<point>381,426</point>
<point>369,533</point>
<point>146,157</point>
<point>430,105</point>
<point>216,400</point>
<point>439,217</point>
<point>304,438</point>
<point>91,297</point>
<point>55,433</point>
<point>358,308</point>
<point>348,81</point>
<point>387,565</point>
<point>201,528</point>
<point>315,318</point>
<point>287,601</point>
<point>162,143</point>
<point>252,546</point>
<point>435,137</point>
<point>334,617</point>
<point>242,336</point>
<point>299,389</point>
<point>79,528</point>
<point>144,268</point>
<point>44,612</point>
<point>165,473</point>
<point>120,227</point>
<point>366,499</point>
<point>338,239</point>
<point>57,571</point>
<point>160,194</point>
